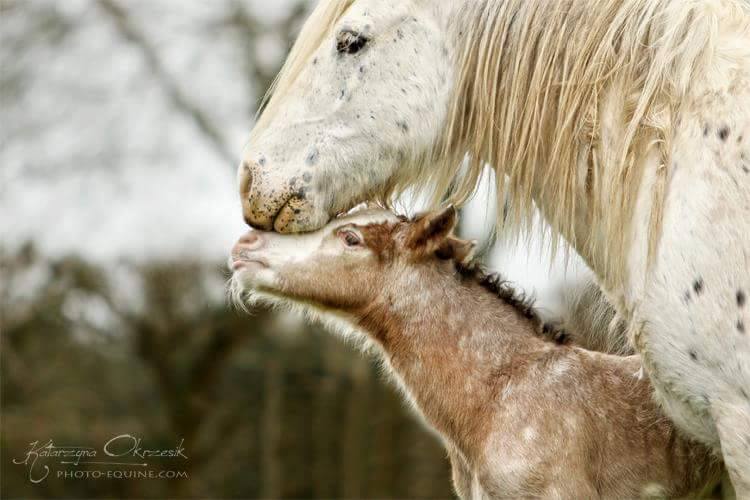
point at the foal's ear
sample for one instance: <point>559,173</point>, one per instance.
<point>431,230</point>
<point>462,251</point>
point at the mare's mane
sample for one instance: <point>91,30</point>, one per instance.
<point>537,83</point>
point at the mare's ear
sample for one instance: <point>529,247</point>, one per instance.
<point>462,251</point>
<point>430,231</point>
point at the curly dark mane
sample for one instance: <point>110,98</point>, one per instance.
<point>509,294</point>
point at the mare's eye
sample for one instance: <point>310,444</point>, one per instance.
<point>349,41</point>
<point>351,238</point>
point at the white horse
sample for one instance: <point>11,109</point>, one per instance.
<point>627,122</point>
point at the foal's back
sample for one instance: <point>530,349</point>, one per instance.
<point>573,422</point>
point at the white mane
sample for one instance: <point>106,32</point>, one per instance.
<point>531,79</point>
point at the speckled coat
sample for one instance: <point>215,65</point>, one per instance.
<point>519,414</point>
<point>653,188</point>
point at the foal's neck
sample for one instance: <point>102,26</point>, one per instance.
<point>452,343</point>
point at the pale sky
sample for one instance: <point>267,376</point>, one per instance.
<point>96,159</point>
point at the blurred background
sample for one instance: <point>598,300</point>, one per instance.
<point>122,122</point>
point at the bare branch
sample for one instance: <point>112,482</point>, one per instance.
<point>181,101</point>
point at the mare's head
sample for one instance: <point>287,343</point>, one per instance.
<point>348,263</point>
<point>355,112</point>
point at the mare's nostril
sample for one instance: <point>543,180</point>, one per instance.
<point>257,196</point>
<point>249,208</point>
<point>246,178</point>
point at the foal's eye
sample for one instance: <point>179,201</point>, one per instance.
<point>351,238</point>
<point>349,41</point>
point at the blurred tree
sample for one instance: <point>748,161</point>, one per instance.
<point>113,113</point>
<point>267,407</point>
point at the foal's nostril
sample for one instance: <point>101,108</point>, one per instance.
<point>251,240</point>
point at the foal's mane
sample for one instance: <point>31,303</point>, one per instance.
<point>531,78</point>
<point>508,293</point>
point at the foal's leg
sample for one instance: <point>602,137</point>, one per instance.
<point>460,473</point>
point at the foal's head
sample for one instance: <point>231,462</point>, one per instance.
<point>350,261</point>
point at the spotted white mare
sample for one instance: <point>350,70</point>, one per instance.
<point>370,89</point>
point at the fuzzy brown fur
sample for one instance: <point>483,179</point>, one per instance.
<point>518,414</point>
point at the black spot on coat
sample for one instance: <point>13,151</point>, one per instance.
<point>723,133</point>
<point>698,286</point>
<point>312,157</point>
<point>741,298</point>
